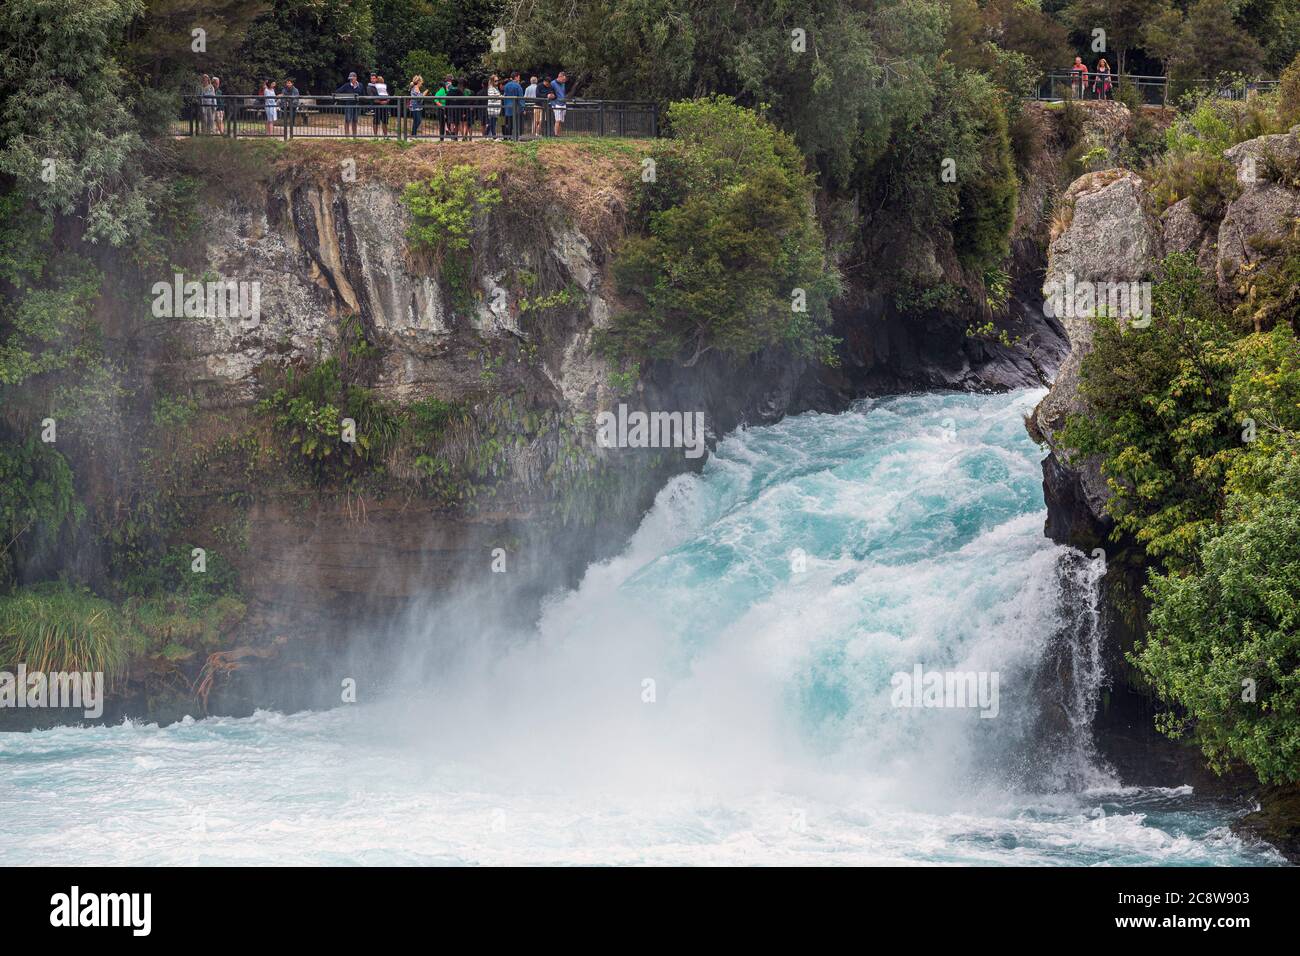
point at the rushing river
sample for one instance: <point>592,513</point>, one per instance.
<point>719,693</point>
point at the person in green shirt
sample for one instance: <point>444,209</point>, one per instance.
<point>440,100</point>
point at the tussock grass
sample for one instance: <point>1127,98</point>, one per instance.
<point>62,629</point>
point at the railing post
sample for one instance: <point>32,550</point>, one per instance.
<point>401,118</point>
<point>602,117</point>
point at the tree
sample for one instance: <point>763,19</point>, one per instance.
<point>730,258</point>
<point>1210,43</point>
<point>1122,23</point>
<point>317,42</point>
<point>162,44</point>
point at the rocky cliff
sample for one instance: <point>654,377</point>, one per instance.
<point>1111,233</point>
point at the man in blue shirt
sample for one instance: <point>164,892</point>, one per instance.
<point>557,99</point>
<point>513,108</point>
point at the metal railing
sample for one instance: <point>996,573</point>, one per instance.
<point>1151,90</point>
<point>411,117</point>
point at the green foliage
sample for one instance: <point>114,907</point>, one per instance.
<point>314,41</point>
<point>308,411</point>
<point>56,627</point>
<point>1198,427</point>
<point>1224,641</point>
<point>1159,414</point>
<point>37,498</point>
<point>431,66</point>
<point>997,288</point>
<point>730,247</point>
<point>443,208</point>
<point>1271,292</point>
<point>49,327</point>
<point>171,412</point>
<point>64,110</point>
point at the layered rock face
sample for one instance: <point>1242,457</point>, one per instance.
<point>1113,237</point>
<point>511,339</point>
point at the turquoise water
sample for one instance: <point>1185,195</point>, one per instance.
<point>718,693</point>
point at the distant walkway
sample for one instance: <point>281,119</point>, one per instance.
<point>1151,90</point>
<point>393,117</point>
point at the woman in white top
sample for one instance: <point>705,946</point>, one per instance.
<point>272,106</point>
<point>493,108</point>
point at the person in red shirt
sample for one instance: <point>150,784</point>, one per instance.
<point>1079,78</point>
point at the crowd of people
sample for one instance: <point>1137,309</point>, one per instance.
<point>495,111</point>
<point>1099,83</point>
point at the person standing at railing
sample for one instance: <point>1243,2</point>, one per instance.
<point>1079,78</point>
<point>1101,87</point>
<point>289,99</point>
<point>220,113</point>
<point>514,106</point>
<point>557,100</point>
<point>461,113</point>
<point>493,108</point>
<point>417,104</point>
<point>379,90</point>
<point>270,103</point>
<point>207,103</point>
<point>350,91</point>
<point>530,95</point>
<point>445,118</point>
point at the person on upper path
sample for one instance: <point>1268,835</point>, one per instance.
<point>1101,87</point>
<point>354,89</point>
<point>514,93</point>
<point>1079,78</point>
<point>557,99</point>
<point>417,95</point>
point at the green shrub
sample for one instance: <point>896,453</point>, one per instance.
<point>37,498</point>
<point>443,208</point>
<point>731,258</point>
<point>1159,416</point>
<point>308,411</point>
<point>1224,641</point>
